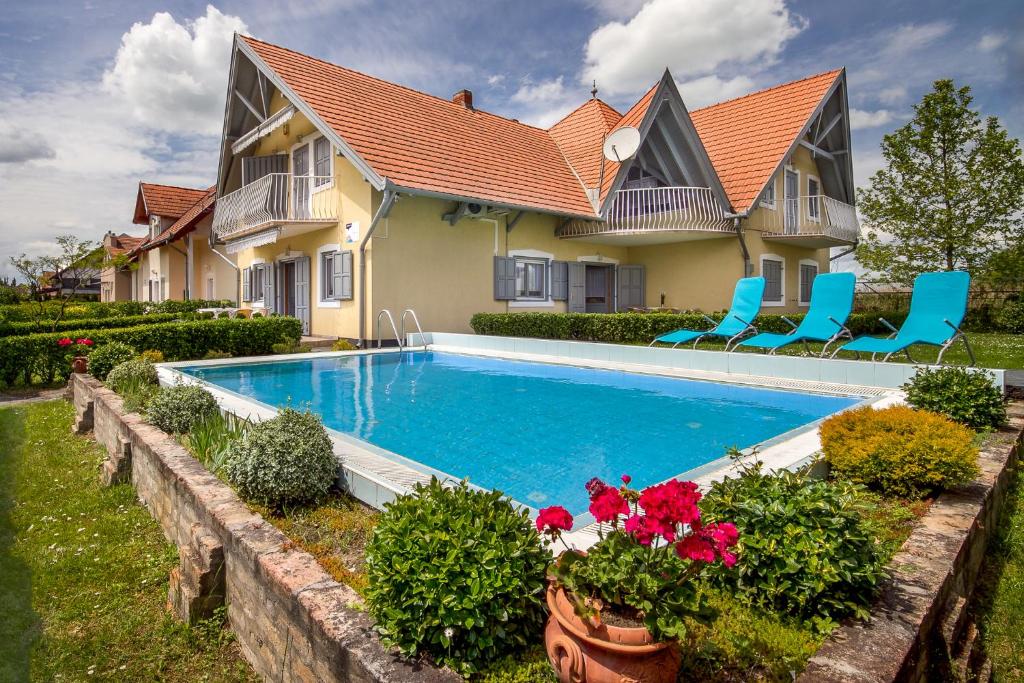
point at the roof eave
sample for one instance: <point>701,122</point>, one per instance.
<point>403,189</point>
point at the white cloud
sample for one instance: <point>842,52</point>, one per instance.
<point>616,9</point>
<point>891,95</point>
<point>693,38</point>
<point>173,76</point>
<point>706,90</point>
<point>861,119</point>
<point>495,79</point>
<point>991,42</point>
<point>18,146</point>
<point>545,102</point>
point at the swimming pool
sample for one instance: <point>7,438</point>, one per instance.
<point>535,431</point>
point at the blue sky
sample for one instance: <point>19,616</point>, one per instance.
<point>97,95</point>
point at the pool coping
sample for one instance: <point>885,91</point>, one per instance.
<point>377,476</point>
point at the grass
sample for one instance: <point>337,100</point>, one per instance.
<point>1000,602</point>
<point>992,350</point>
<point>83,569</point>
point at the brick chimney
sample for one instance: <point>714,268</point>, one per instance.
<point>464,98</point>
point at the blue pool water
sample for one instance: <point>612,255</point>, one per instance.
<point>535,431</point>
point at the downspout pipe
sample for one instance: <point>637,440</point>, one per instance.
<point>382,211</point>
<point>748,267</point>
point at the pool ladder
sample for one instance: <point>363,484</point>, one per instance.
<point>399,334</point>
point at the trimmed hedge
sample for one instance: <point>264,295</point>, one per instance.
<point>8,329</point>
<point>28,311</point>
<point>632,328</point>
<point>37,357</point>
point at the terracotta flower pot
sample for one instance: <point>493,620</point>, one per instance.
<point>581,652</point>
<point>80,364</point>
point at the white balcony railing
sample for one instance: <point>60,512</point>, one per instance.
<point>275,199</point>
<point>655,209</point>
<point>810,216</point>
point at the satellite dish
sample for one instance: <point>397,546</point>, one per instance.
<point>621,144</point>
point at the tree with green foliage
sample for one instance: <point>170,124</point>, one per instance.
<point>74,261</point>
<point>951,195</point>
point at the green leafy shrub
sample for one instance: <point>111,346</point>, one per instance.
<point>804,547</point>
<point>456,574</point>
<point>190,306</point>
<point>8,329</point>
<point>211,439</point>
<point>214,354</point>
<point>970,398</point>
<point>290,346</point>
<point>632,328</point>
<point>131,373</point>
<point>107,356</point>
<point>178,408</point>
<point>343,345</point>
<point>900,451</point>
<point>20,356</point>
<point>287,460</point>
<point>152,355</point>
<point>50,310</point>
<point>1011,317</point>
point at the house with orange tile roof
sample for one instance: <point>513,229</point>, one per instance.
<point>116,277</point>
<point>174,259</point>
<point>341,195</point>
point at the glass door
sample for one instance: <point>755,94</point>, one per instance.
<point>792,202</point>
<point>301,185</point>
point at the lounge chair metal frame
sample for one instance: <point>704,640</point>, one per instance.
<point>958,334</point>
<point>732,341</point>
<point>842,333</point>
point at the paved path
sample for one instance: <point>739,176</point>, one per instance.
<point>9,401</point>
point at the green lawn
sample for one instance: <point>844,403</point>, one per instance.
<point>1001,594</point>
<point>83,569</point>
<point>1005,351</point>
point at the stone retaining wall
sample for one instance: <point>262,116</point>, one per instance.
<point>920,629</point>
<point>292,620</point>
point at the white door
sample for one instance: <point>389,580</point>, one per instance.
<point>792,201</point>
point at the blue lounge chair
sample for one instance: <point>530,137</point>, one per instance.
<point>937,307</point>
<point>746,303</point>
<point>831,304</point>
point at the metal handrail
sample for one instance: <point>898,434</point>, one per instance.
<point>394,328</point>
<point>655,209</point>
<point>810,215</point>
<point>275,198</point>
<point>416,320</point>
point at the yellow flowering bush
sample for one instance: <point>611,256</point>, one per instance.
<point>900,451</point>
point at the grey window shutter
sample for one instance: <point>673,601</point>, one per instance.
<point>343,285</point>
<point>254,168</point>
<point>504,278</point>
<point>559,280</point>
<point>269,291</point>
<point>807,275</point>
<point>302,292</point>
<point>772,272</point>
<point>246,283</point>
<point>631,287</point>
<point>577,287</point>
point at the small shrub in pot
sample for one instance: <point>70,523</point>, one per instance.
<point>899,451</point>
<point>456,574</point>
<point>287,460</point>
<point>177,408</point>
<point>107,356</point>
<point>970,398</point>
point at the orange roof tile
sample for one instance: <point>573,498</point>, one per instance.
<point>422,142</point>
<point>123,244</point>
<point>188,220</point>
<point>168,201</point>
<point>580,136</point>
<point>746,138</point>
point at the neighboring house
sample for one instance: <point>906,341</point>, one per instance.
<point>342,195</point>
<point>175,259</point>
<point>82,282</point>
<point>116,283</point>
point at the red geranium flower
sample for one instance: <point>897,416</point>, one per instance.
<point>84,341</point>
<point>695,548</point>
<point>640,528</point>
<point>669,505</point>
<point>607,505</point>
<point>554,520</point>
<point>626,479</point>
<point>594,487</point>
<point>64,342</point>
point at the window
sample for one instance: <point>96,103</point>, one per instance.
<point>327,275</point>
<point>322,161</point>
<point>531,278</point>
<point>768,200</point>
<point>808,271</point>
<point>813,198</point>
<point>209,289</point>
<point>772,271</point>
<point>257,282</point>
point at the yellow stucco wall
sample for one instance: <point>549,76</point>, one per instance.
<point>206,266</point>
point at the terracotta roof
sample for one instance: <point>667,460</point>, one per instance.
<point>124,243</point>
<point>580,136</point>
<point>188,220</point>
<point>747,137</point>
<point>167,201</point>
<point>422,142</point>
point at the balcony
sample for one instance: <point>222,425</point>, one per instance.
<point>292,203</point>
<point>654,215</point>
<point>813,221</point>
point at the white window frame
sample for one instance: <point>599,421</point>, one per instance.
<point>534,255</point>
<point>321,278</point>
<point>782,278</point>
<point>211,288</point>
<point>813,197</point>
<point>800,279</point>
<point>765,202</point>
<point>312,163</point>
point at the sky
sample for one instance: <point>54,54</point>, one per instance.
<point>96,96</point>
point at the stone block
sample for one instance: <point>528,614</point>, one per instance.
<point>197,584</point>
